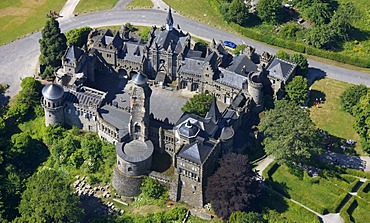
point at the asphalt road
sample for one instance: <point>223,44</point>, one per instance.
<point>19,58</point>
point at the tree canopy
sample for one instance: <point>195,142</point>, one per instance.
<point>362,120</point>
<point>49,198</point>
<point>52,46</point>
<point>301,61</point>
<point>236,12</point>
<point>151,188</point>
<point>290,134</point>
<point>297,89</point>
<point>351,96</point>
<point>234,186</point>
<point>270,11</point>
<point>78,36</point>
<point>199,104</point>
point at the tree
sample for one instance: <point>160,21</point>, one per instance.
<point>290,135</point>
<point>151,188</point>
<point>78,36</point>
<point>290,30</point>
<point>199,104</point>
<point>351,96</point>
<point>302,63</point>
<point>282,55</point>
<point>361,113</point>
<point>297,89</point>
<point>52,46</point>
<point>270,11</point>
<point>234,186</point>
<point>318,12</point>
<point>236,12</point>
<point>319,36</point>
<point>49,198</point>
<point>245,217</point>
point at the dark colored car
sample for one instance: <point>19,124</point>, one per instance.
<point>229,44</point>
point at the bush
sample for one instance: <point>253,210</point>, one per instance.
<point>151,188</point>
<point>351,96</point>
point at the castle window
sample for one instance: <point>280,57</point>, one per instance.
<point>118,163</point>
<point>129,169</point>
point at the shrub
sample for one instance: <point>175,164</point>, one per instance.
<point>350,97</point>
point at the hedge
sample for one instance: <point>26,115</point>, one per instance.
<point>358,173</point>
<point>361,193</point>
<point>344,211</point>
<point>301,47</point>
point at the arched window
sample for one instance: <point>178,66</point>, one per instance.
<point>129,169</point>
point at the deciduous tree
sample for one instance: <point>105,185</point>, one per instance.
<point>78,36</point>
<point>49,198</point>
<point>236,12</point>
<point>362,120</point>
<point>199,104</point>
<point>270,11</point>
<point>297,89</point>
<point>351,96</point>
<point>290,135</point>
<point>234,186</point>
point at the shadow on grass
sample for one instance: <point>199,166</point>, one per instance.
<point>316,98</point>
<point>315,74</point>
<point>270,200</point>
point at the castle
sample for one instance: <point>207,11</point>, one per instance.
<point>130,93</point>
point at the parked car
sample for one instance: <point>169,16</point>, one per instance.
<point>229,44</point>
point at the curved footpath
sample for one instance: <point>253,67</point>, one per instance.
<point>18,59</point>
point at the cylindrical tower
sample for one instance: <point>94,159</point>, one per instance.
<point>226,138</point>
<point>255,89</point>
<point>52,101</point>
<point>134,160</point>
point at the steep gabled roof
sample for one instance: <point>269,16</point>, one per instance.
<point>213,114</point>
<point>281,69</point>
<point>197,151</point>
<point>73,53</point>
<point>242,65</point>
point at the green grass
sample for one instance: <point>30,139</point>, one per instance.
<point>364,191</point>
<point>329,116</point>
<point>361,214</point>
<point>205,11</point>
<point>321,196</point>
<point>86,6</point>
<point>18,18</point>
<point>272,202</point>
<point>140,4</point>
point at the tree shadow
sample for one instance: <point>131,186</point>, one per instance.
<point>338,145</point>
<point>315,74</point>
<point>253,21</point>
<point>316,98</point>
<point>271,200</point>
<point>358,34</point>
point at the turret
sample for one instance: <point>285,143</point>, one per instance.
<point>255,89</point>
<point>52,101</point>
<point>169,20</point>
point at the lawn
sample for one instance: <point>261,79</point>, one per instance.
<point>140,4</point>
<point>329,116</point>
<point>279,209</point>
<point>361,214</point>
<point>205,11</point>
<point>18,18</point>
<point>320,195</point>
<point>85,6</point>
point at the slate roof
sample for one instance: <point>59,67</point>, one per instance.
<point>85,97</point>
<point>132,52</point>
<point>140,79</point>
<point>52,91</point>
<point>73,53</point>
<point>114,116</point>
<point>280,69</point>
<point>194,54</point>
<point>188,129</point>
<point>231,79</point>
<point>206,125</point>
<point>242,65</point>
<point>135,151</point>
<point>191,66</point>
<point>163,38</point>
<point>213,114</point>
<point>197,151</point>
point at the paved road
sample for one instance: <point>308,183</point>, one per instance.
<point>18,59</point>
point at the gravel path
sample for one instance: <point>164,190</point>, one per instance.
<point>67,10</point>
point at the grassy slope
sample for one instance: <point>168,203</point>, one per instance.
<point>18,18</point>
<point>140,4</point>
<point>85,6</point>
<point>305,192</point>
<point>330,116</point>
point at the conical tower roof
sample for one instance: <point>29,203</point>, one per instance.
<point>52,91</point>
<point>140,79</point>
<point>213,113</point>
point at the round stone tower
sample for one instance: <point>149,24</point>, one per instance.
<point>52,101</point>
<point>134,158</point>
<point>255,90</point>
